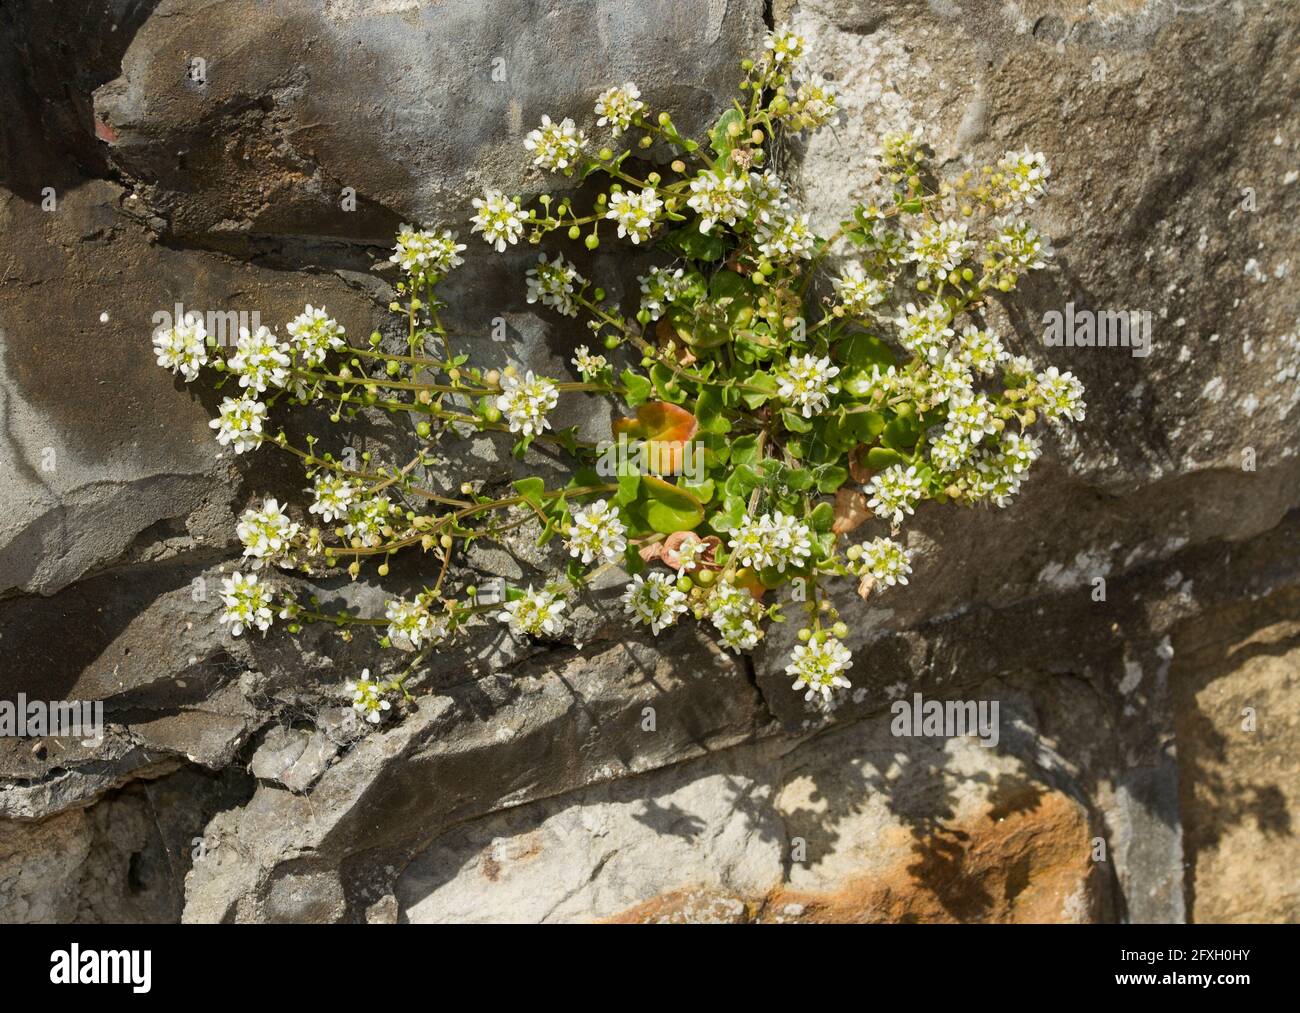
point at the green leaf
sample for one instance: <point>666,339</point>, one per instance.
<point>878,458</point>
<point>830,477</point>
<point>729,517</point>
<point>742,481</point>
<point>689,241</point>
<point>822,517</point>
<point>629,486</point>
<point>861,351</point>
<point>637,386</point>
<point>744,450</point>
<point>766,384</point>
<point>703,491</point>
<point>666,507</point>
<point>708,410</point>
<point>795,422</point>
<point>719,140</point>
<point>531,490</point>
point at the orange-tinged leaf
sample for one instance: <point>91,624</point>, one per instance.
<point>659,421</point>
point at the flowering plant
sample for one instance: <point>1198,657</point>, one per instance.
<point>761,415</point>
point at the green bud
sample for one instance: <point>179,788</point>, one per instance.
<point>611,341</point>
<point>423,429</point>
<point>840,630</point>
<point>574,232</point>
<point>592,241</point>
<point>805,634</point>
<point>375,339</point>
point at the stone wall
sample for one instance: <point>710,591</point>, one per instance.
<point>1147,764</point>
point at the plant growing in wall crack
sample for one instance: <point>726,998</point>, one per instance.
<point>760,414</point>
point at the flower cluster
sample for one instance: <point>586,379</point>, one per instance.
<point>772,390</point>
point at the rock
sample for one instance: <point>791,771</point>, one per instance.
<point>416,109</point>
<point>774,833</point>
<point>1239,785</point>
<point>294,758</point>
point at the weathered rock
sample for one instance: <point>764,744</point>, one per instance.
<point>1239,778</point>
<point>272,111</point>
<point>776,833</point>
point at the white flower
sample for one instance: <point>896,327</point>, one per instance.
<point>332,496</point>
<point>659,288</point>
<point>1020,244</point>
<point>526,401</point>
<point>618,106</point>
<point>736,615</point>
<point>950,451</point>
<point>689,553</point>
<point>410,624</point>
<point>556,144</point>
<point>766,196</point>
<point>925,332</point>
<point>260,358</point>
<point>1062,395</point>
<point>655,600</point>
<point>421,251</point>
<point>315,334</point>
<point>597,533</point>
<point>772,540</point>
<point>938,248</point>
<point>247,603</point>
<point>1018,370</point>
<point>981,350</point>
<point>950,379</point>
<point>498,218</point>
<point>552,283</point>
<point>894,492</point>
<point>857,291</point>
<point>367,519</point>
<point>368,697</point>
<point>817,665</point>
<point>587,364</point>
<point>239,426</point>
<point>786,237</point>
<point>535,613</point>
<point>717,198</point>
<point>183,348</point>
<point>266,533</point>
<point>636,214</point>
<point>1025,174</point>
<point>815,102</point>
<point>992,479</point>
<point>805,382</point>
<point>970,418</point>
<point>1018,451</point>
<point>886,561</point>
<point>784,46</point>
